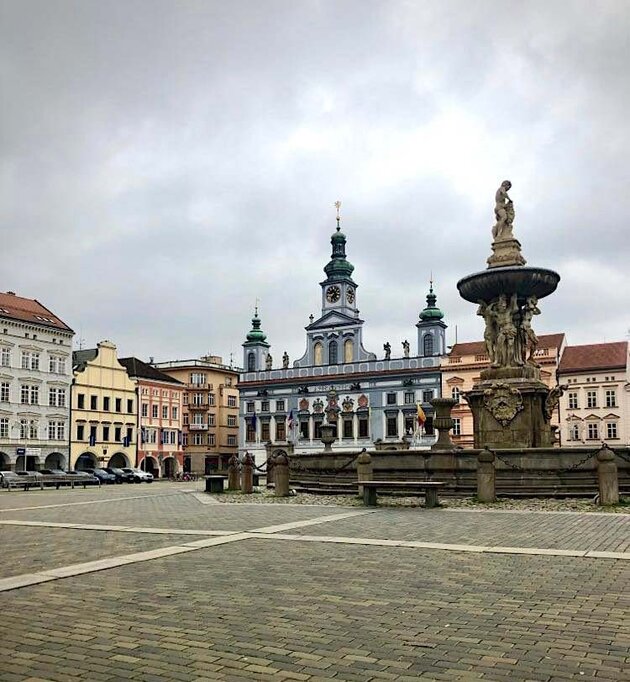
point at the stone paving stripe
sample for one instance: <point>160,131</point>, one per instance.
<point>109,499</point>
<point>212,542</point>
<point>118,529</point>
<point>23,580</point>
<point>479,549</point>
<point>608,555</point>
<point>311,522</point>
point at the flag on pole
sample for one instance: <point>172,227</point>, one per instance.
<point>422,417</point>
<point>290,420</point>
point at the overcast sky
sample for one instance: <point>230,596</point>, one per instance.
<point>165,163</point>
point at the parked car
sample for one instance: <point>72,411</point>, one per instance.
<point>102,475</point>
<point>139,476</point>
<point>122,476</point>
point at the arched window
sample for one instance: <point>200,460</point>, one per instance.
<point>348,350</point>
<point>332,353</point>
<point>251,362</point>
<point>428,344</point>
<point>318,354</point>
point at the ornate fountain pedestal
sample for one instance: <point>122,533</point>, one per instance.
<point>511,412</point>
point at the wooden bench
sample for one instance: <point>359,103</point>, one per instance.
<point>430,489</point>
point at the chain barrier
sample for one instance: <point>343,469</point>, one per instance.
<point>297,467</point>
<point>626,458</point>
<point>573,467</point>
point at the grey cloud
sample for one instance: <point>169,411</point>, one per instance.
<point>164,164</point>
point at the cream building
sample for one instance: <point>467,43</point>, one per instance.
<point>595,407</point>
<point>461,368</point>
<point>35,378</point>
<point>104,410</point>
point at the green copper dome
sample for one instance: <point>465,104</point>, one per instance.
<point>431,312</point>
<point>256,333</point>
<point>338,267</point>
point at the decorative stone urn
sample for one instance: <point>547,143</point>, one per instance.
<point>328,436</point>
<point>443,422</point>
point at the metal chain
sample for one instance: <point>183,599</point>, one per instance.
<point>626,458</point>
<point>298,467</point>
<point>573,467</point>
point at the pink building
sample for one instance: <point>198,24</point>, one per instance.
<point>160,450</point>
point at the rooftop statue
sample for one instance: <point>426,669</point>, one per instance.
<point>503,212</point>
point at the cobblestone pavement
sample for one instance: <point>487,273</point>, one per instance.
<point>602,532</point>
<point>259,607</point>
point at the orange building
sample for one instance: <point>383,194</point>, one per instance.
<point>461,368</point>
<point>209,411</point>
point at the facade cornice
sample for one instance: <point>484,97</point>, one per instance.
<point>340,378</point>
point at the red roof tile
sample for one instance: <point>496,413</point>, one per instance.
<point>479,348</point>
<point>28,310</point>
<point>595,356</point>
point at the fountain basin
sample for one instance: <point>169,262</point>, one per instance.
<point>521,280</point>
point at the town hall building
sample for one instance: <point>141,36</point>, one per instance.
<point>372,400</point>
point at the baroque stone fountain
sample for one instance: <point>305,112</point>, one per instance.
<point>511,406</point>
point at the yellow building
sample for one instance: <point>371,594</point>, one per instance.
<point>103,410</point>
<point>461,368</point>
<point>210,411</point>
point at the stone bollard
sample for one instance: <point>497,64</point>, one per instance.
<point>281,475</point>
<point>233,473</point>
<point>270,481</point>
<point>247,475</point>
<point>365,471</point>
<point>607,479</point>
<point>486,475</point>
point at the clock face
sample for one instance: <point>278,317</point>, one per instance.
<point>350,296</point>
<point>333,294</point>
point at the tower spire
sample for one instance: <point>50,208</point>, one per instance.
<point>338,206</point>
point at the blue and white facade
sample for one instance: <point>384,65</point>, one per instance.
<point>376,399</point>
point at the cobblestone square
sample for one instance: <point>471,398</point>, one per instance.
<point>159,583</point>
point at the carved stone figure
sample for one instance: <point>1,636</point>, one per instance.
<point>503,402</point>
<point>552,400</point>
<point>506,342</point>
<point>503,212</point>
<point>388,350</point>
<point>285,360</point>
<point>529,340</point>
<point>486,310</point>
<point>268,361</point>
<point>405,345</point>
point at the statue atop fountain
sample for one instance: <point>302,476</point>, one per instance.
<point>510,401</point>
<point>506,249</point>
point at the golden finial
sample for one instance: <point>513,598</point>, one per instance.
<point>338,206</point>
<point>256,307</point>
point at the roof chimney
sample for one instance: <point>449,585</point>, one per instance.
<point>11,293</point>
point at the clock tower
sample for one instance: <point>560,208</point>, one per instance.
<point>336,337</point>
<point>339,291</point>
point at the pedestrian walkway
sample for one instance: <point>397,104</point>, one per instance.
<point>152,584</point>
